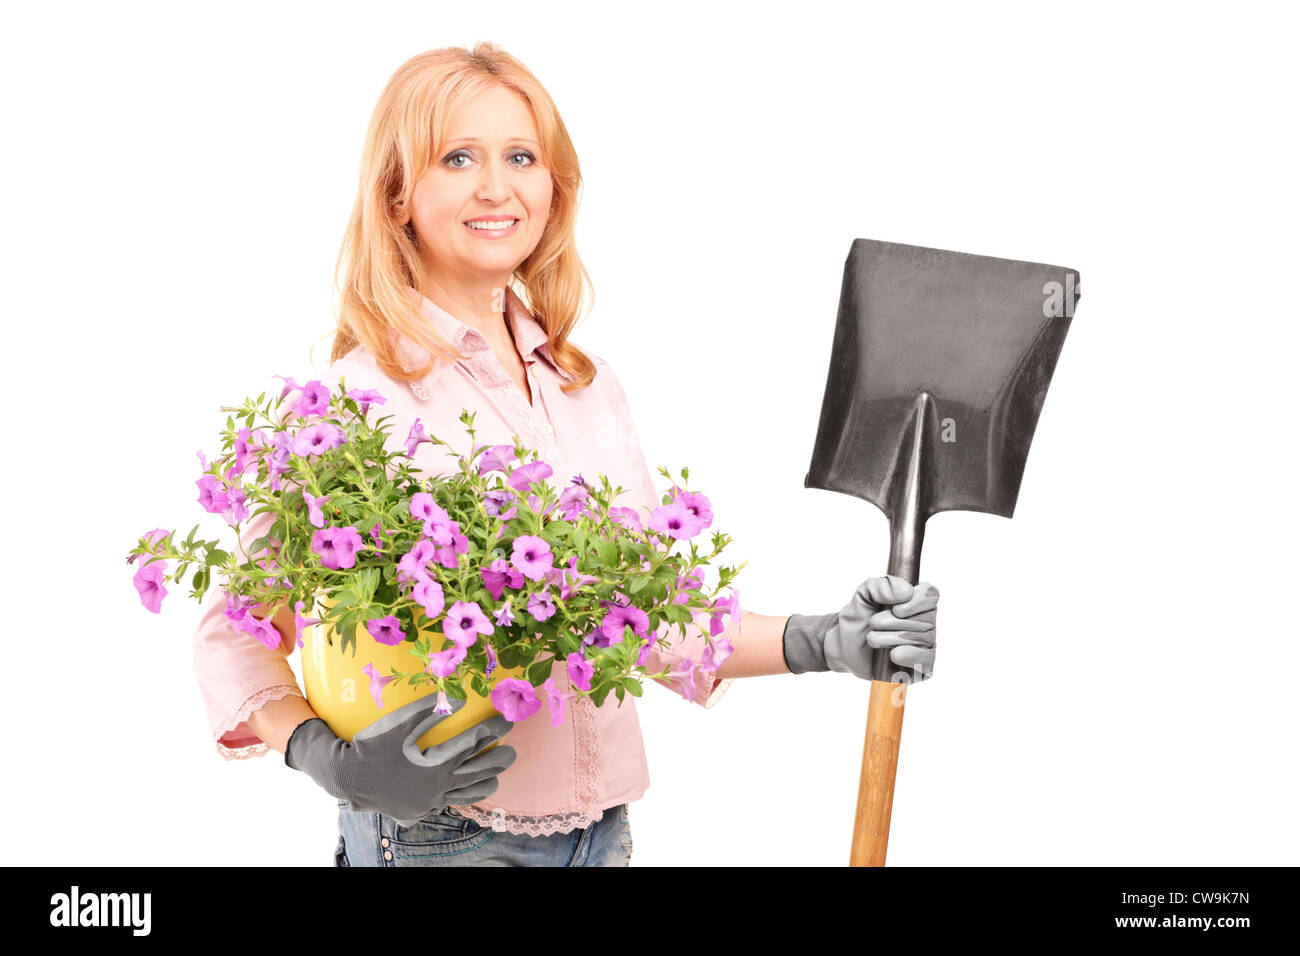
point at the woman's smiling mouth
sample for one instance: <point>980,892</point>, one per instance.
<point>493,228</point>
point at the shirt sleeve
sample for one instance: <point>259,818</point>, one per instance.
<point>683,653</point>
<point>237,673</point>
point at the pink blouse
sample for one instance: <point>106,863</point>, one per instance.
<point>564,777</point>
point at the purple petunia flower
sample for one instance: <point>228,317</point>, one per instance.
<point>729,607</point>
<point>262,629</point>
<point>247,443</point>
<point>645,651</point>
<point>675,520</point>
<point>377,682</point>
<point>365,397</point>
<point>423,507</point>
<point>495,501</point>
<point>540,605</point>
<point>414,561</point>
<point>616,617</point>
<point>569,578</point>
<point>337,547</point>
<point>525,475</point>
<point>237,606</point>
<point>429,594</point>
<point>504,615</point>
<point>444,663</point>
<point>300,622</point>
<point>465,622</point>
<point>148,580</point>
<point>715,654</point>
<point>289,385</point>
<point>532,556</point>
<point>580,671</point>
<point>497,575</point>
<point>415,438</point>
<point>314,514</point>
<point>515,699</point>
<point>386,630</point>
<point>314,400</point>
<point>236,509</point>
<point>626,518</point>
<point>211,497</point>
<point>573,502</point>
<point>317,439</point>
<point>492,660</point>
<point>697,504</point>
<point>555,701</point>
<point>496,458</point>
<point>449,556</point>
<point>684,675</point>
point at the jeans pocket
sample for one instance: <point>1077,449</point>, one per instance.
<point>341,854</point>
<point>437,829</point>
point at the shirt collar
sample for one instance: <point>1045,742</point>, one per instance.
<point>529,335</point>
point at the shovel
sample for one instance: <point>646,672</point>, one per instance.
<point>938,371</point>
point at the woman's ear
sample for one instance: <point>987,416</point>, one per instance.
<point>401,215</point>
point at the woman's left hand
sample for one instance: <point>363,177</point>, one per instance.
<point>885,615</point>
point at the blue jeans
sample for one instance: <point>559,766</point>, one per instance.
<point>448,839</point>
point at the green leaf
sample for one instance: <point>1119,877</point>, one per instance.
<point>539,671</point>
<point>633,686</point>
<point>677,614</point>
<point>607,552</point>
<point>639,582</point>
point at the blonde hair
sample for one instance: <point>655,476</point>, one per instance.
<point>379,260</point>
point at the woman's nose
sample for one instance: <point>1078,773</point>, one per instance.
<point>492,184</point>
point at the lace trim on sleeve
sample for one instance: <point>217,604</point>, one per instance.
<point>718,691</point>
<point>250,706</point>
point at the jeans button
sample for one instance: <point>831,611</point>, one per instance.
<point>388,855</point>
<point>384,842</point>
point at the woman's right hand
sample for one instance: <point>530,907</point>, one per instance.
<point>382,768</point>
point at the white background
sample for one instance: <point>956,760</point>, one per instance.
<point>1116,671</point>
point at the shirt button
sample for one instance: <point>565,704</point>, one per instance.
<point>384,842</point>
<point>387,855</point>
<point>532,370</point>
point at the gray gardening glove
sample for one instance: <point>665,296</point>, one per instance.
<point>886,615</point>
<point>383,769</point>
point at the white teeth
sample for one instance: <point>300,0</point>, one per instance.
<point>497,224</point>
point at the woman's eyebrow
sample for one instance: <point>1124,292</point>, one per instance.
<point>471,139</point>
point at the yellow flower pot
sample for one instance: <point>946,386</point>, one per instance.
<point>339,691</point>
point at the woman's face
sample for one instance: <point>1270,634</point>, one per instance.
<point>489,175</point>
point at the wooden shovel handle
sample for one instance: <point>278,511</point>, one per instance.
<point>876,782</point>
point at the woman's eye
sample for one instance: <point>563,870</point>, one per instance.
<point>514,158</point>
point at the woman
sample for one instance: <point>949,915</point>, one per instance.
<point>466,208</point>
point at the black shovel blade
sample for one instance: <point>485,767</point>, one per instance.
<point>940,364</point>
